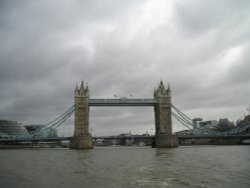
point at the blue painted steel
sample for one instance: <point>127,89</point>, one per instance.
<point>35,139</point>
<point>55,123</point>
<point>122,102</point>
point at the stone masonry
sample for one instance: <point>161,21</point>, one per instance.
<point>163,119</point>
<point>81,139</point>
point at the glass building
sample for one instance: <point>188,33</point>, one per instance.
<point>12,129</point>
<point>41,131</point>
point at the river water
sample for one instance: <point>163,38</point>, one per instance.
<point>187,166</point>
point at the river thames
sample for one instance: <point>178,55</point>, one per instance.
<point>185,166</point>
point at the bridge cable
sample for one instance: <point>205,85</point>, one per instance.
<point>56,123</point>
<point>178,118</point>
<point>72,107</point>
<point>180,112</point>
<point>184,117</point>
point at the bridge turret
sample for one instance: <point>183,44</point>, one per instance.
<point>169,90</point>
<point>82,89</point>
<point>87,89</point>
<point>82,139</point>
<point>161,91</point>
<point>163,117</point>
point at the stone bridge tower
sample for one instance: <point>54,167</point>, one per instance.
<point>81,139</point>
<point>163,119</point>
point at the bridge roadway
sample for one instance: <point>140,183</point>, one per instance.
<point>121,137</point>
<point>35,139</point>
<point>123,102</point>
<point>68,138</point>
<point>126,137</point>
<point>213,136</point>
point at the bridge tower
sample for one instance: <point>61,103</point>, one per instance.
<point>163,120</point>
<point>81,139</point>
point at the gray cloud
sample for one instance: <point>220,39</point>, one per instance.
<point>123,48</point>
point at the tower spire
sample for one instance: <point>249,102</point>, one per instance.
<point>87,87</point>
<point>82,85</point>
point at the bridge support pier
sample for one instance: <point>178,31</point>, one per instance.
<point>165,141</point>
<point>81,142</point>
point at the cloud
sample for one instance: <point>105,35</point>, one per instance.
<point>123,48</point>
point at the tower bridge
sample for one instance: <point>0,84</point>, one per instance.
<point>162,110</point>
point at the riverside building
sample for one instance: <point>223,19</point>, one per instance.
<point>12,129</point>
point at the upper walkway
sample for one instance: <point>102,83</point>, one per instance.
<point>123,102</point>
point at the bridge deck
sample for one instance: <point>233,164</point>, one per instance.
<point>122,102</point>
<point>120,137</point>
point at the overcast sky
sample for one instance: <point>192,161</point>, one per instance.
<point>123,47</point>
